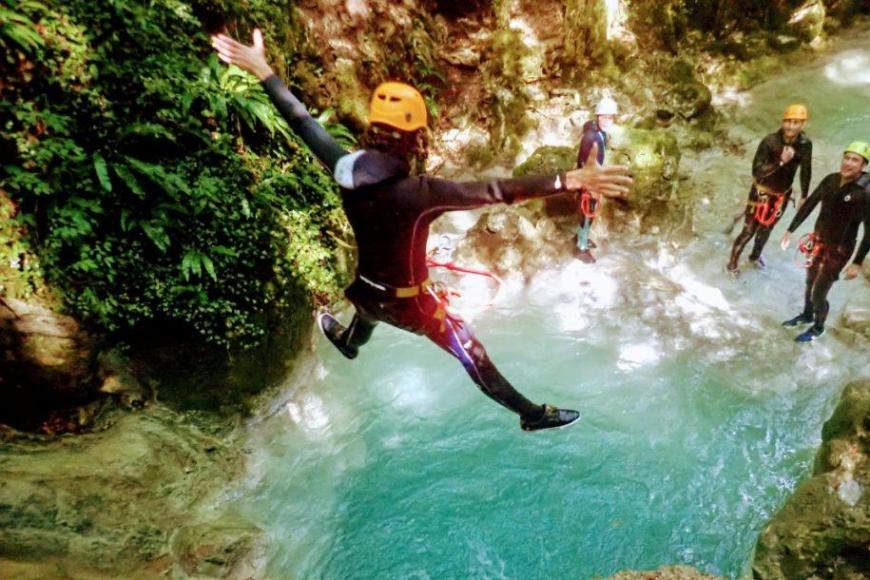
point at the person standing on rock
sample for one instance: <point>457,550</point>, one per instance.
<point>845,201</point>
<point>390,210</point>
<point>594,136</point>
<point>773,169</point>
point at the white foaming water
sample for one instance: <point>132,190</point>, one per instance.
<point>699,412</point>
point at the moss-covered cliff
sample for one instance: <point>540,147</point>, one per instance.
<point>823,531</point>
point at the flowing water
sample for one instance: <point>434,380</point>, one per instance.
<point>700,414</point>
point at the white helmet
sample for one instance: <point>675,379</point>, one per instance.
<point>606,106</point>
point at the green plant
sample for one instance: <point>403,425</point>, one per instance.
<point>153,183</point>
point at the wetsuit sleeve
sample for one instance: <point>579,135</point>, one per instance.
<point>808,206</point>
<point>763,164</point>
<point>445,194</point>
<point>865,241</point>
<point>806,169</point>
<point>303,124</point>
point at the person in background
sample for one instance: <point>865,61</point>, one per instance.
<point>390,209</point>
<point>845,201</point>
<point>594,135</point>
<point>773,169</point>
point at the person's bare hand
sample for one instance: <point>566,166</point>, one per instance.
<point>787,154</point>
<point>249,58</point>
<point>852,270</point>
<point>612,181</point>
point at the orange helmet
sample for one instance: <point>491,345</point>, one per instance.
<point>398,105</point>
<point>798,112</point>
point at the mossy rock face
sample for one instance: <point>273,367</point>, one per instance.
<point>657,204</point>
<point>808,21</point>
<point>47,361</point>
<point>548,160</point>
<point>52,372</point>
<point>824,528</point>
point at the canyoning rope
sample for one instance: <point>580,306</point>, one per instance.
<point>440,291</point>
<point>588,205</point>
<point>589,209</point>
<point>453,267</point>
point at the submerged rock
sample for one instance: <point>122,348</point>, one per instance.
<point>824,528</point>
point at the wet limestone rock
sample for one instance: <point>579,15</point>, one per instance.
<point>47,360</point>
<point>856,320</point>
<point>134,501</point>
<point>658,204</point>
<point>808,21</point>
<point>664,573</point>
<point>509,241</point>
<point>824,529</point>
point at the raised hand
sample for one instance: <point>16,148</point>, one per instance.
<point>787,154</point>
<point>612,181</point>
<point>250,58</point>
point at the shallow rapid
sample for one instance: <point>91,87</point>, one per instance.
<point>699,412</point>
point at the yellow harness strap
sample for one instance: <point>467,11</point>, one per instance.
<point>412,291</point>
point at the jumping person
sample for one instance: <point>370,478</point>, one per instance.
<point>773,169</point>
<point>390,210</point>
<point>594,135</point>
<point>845,203</point>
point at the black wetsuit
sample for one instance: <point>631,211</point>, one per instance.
<point>390,212</point>
<point>769,174</point>
<point>844,209</point>
<point>592,135</point>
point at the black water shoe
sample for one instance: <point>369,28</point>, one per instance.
<point>801,318</point>
<point>334,331</point>
<point>551,418</point>
<point>810,334</point>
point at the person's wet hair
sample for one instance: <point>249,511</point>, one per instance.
<point>412,146</point>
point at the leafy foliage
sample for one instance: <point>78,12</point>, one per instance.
<point>154,183</point>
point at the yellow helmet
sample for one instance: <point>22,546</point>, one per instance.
<point>398,105</point>
<point>796,111</point>
<point>859,148</point>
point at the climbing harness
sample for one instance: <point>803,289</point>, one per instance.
<point>766,213</point>
<point>810,247</point>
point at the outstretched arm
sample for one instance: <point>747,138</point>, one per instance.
<point>612,181</point>
<point>253,59</point>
